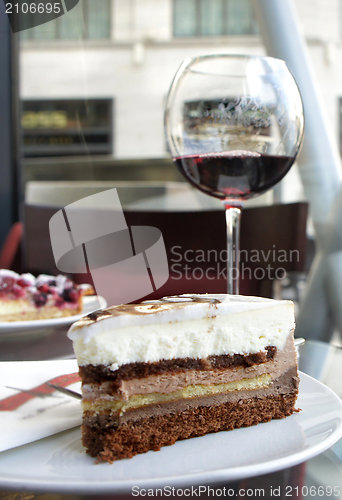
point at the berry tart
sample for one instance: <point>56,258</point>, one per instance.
<point>26,297</point>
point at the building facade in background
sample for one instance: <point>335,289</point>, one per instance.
<point>94,81</point>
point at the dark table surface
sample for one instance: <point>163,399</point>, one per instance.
<point>320,477</point>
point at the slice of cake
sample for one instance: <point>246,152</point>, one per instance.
<point>24,297</point>
<point>180,367</point>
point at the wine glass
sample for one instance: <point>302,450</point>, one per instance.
<point>234,124</point>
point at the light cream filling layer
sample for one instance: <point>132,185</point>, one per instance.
<point>189,392</point>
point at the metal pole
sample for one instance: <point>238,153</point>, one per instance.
<point>319,161</point>
<point>9,104</point>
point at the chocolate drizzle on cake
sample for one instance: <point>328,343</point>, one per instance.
<point>149,307</point>
<point>191,298</point>
<point>94,316</point>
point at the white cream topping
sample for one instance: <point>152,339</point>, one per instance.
<point>233,325</point>
<point>7,273</point>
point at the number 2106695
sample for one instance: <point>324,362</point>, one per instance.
<point>34,8</point>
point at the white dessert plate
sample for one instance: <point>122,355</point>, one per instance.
<point>60,464</point>
<point>90,303</point>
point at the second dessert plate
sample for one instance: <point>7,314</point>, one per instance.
<point>90,303</point>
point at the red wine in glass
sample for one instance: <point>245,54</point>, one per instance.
<point>234,125</point>
<point>234,176</point>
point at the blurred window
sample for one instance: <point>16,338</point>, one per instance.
<point>85,21</point>
<point>213,18</point>
<point>62,127</point>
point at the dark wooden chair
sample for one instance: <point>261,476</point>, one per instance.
<point>273,242</point>
<point>10,253</point>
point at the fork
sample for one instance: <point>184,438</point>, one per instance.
<point>64,390</point>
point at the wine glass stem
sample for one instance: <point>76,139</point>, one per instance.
<point>233,216</point>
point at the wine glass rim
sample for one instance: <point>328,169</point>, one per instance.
<point>190,61</point>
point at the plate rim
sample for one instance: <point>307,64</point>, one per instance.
<point>190,479</point>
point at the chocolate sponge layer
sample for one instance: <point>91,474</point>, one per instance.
<point>109,443</point>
